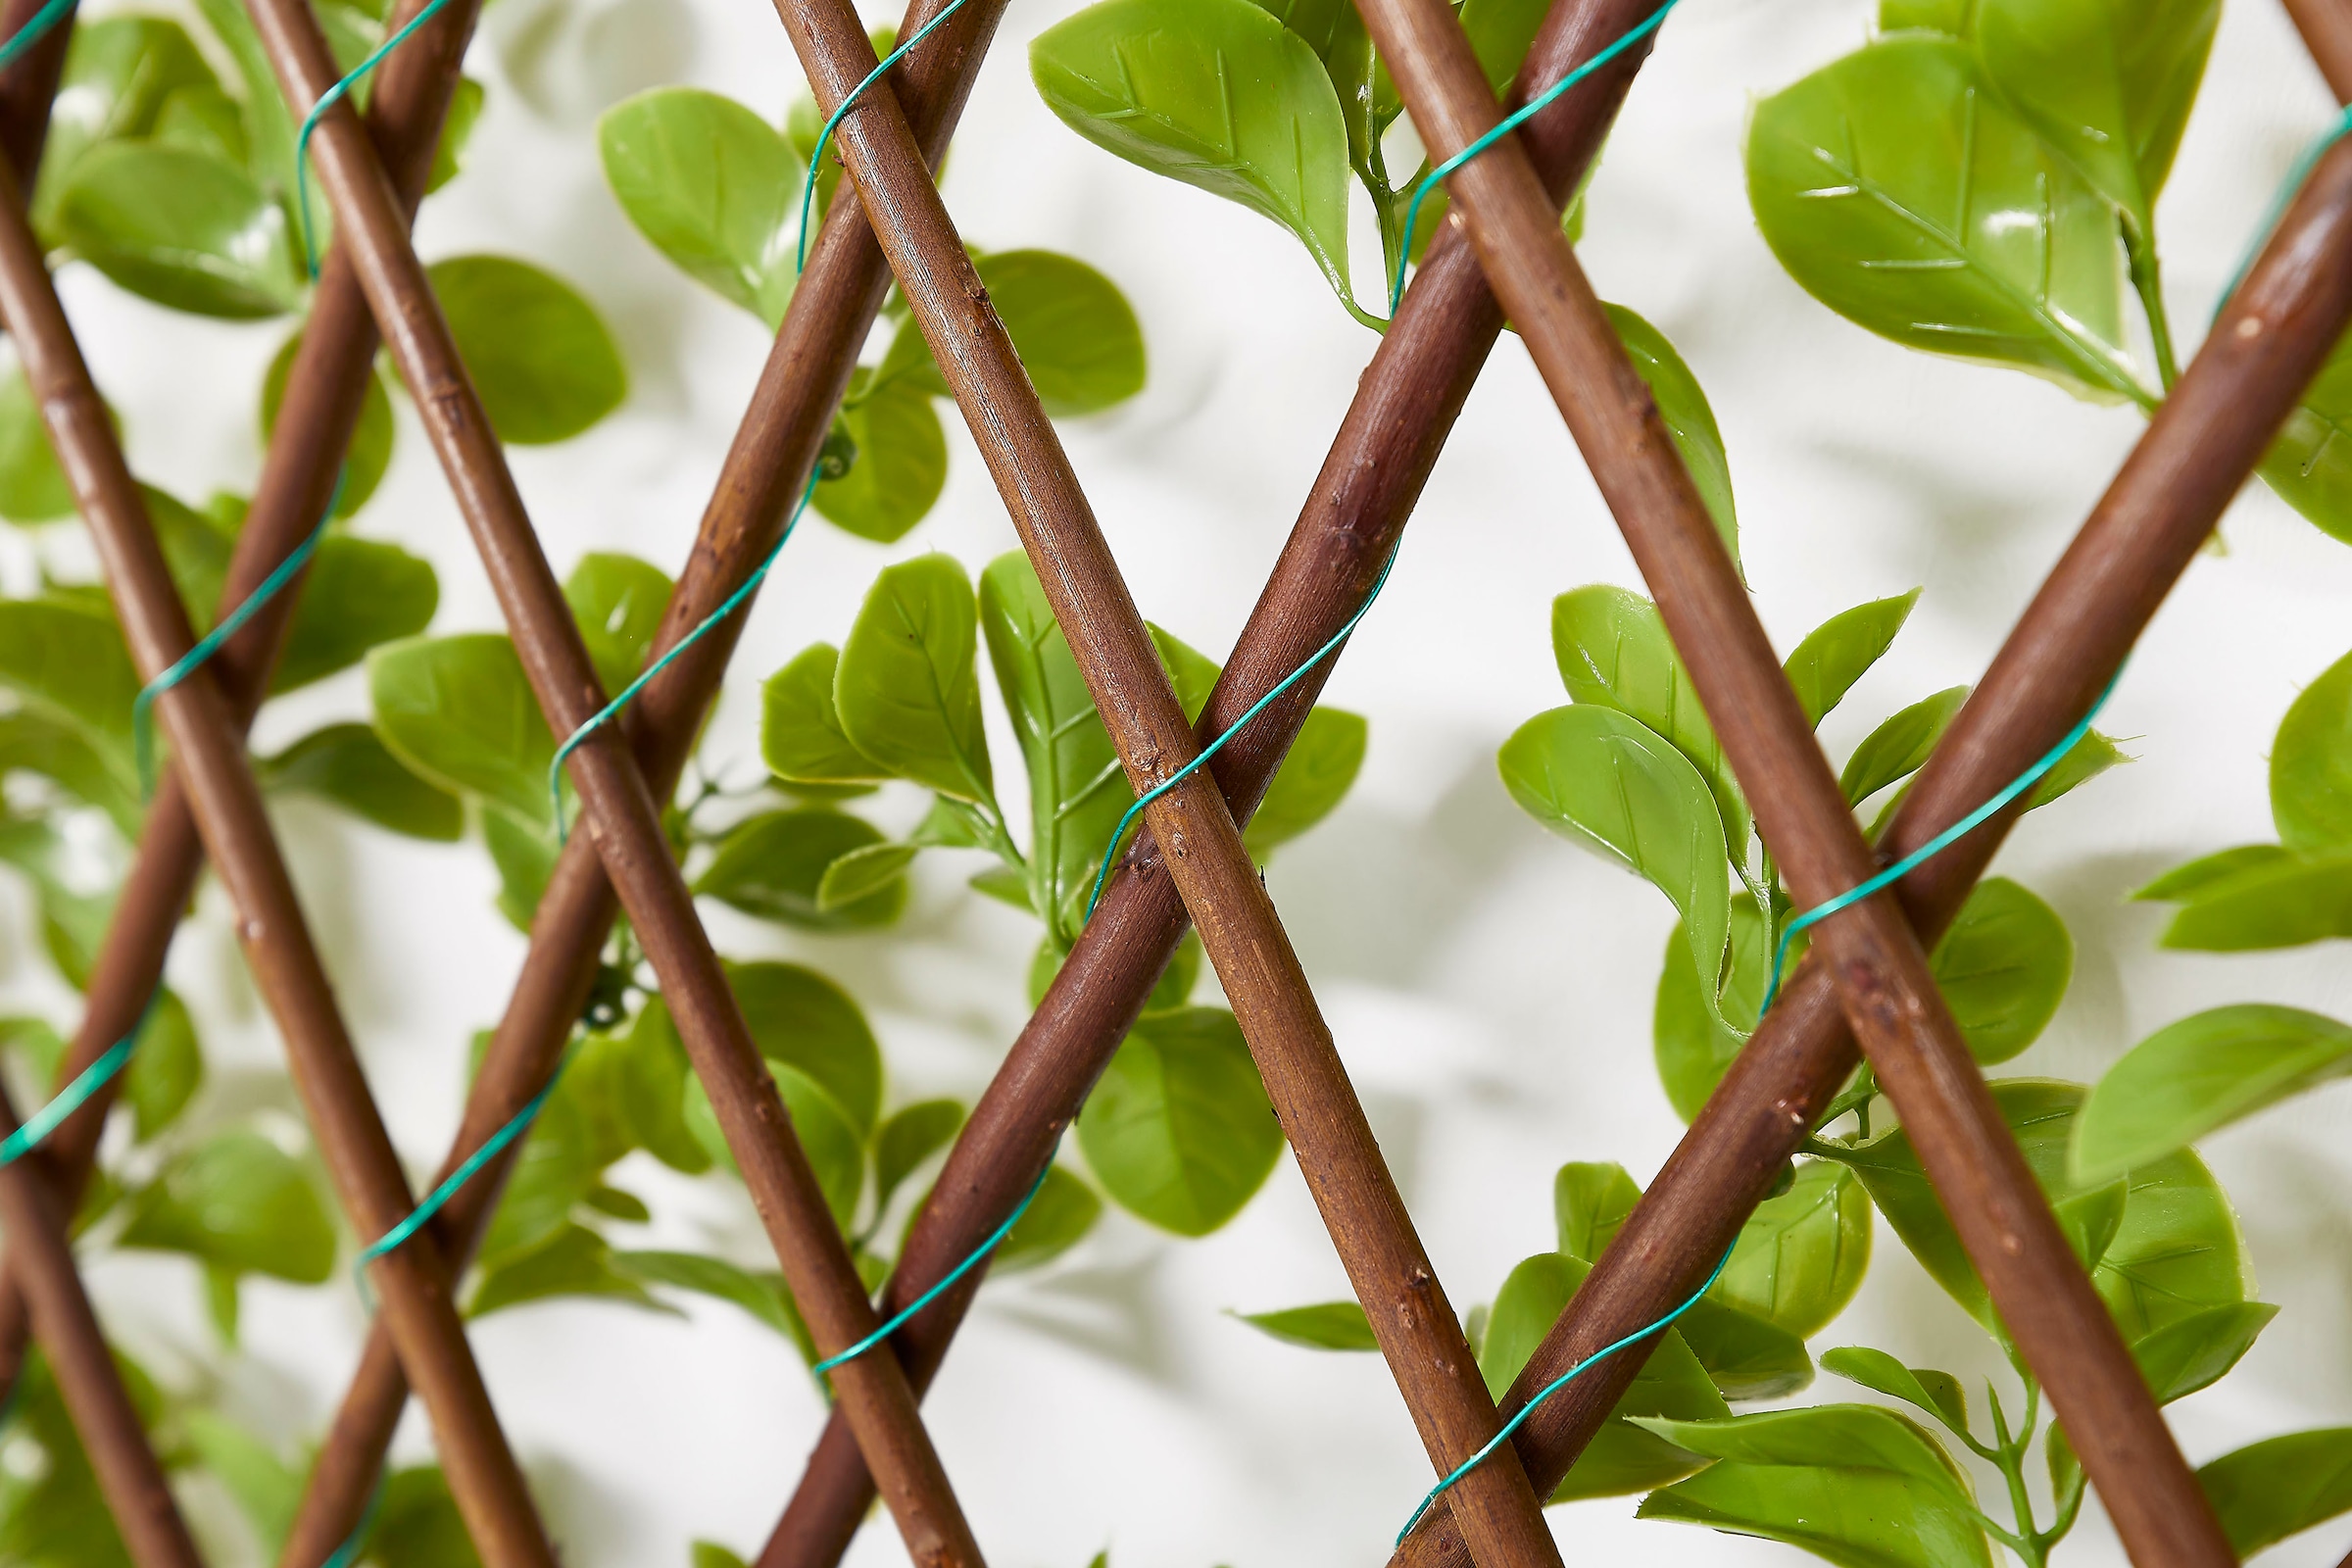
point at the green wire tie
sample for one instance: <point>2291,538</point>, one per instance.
<point>799,260</point>
<point>1553,1387</point>
<point>1934,845</point>
<point>30,33</point>
<point>1512,122</point>
<point>328,100</point>
<point>2279,201</point>
<point>71,1099</point>
<point>733,602</point>
<point>348,1553</point>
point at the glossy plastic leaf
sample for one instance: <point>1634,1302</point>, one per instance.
<point>1694,1043</point>
<point>761,1295</point>
<point>33,487</point>
<point>52,1514</point>
<point>2003,968</point>
<point>572,1261</point>
<point>1313,779</point>
<point>1215,93</point>
<point>1622,1457</point>
<point>119,73</point>
<point>2200,1074</point>
<point>801,738</point>
<point>1902,192</point>
<point>801,1018</point>
<point>1179,1131</point>
<point>541,359</point>
<point>167,1068</point>
<point>2280,1486</point>
<point>1077,336</point>
<point>457,132</point>
<point>2311,766</point>
<point>1801,1256</point>
<point>714,186</point>
<point>1324,1326</point>
<point>774,866</point>
<point>1746,1357</point>
<point>524,855</point>
<point>371,451</point>
<point>911,1134</point>
<point>1938,1393</point>
<point>1682,402</point>
<point>1336,33</point>
<point>1900,747</point>
<point>616,600</point>
<point>1589,1201</point>
<point>2256,896</point>
<point>238,1202</point>
<point>348,765</point>
<point>863,874</point>
<point>836,1152</point>
<point>64,656</point>
<point>901,462</point>
<point>1065,1209</point>
<point>357,595</point>
<point>1854,1484</point>
<point>1613,652</point>
<point>1598,778</point>
<point>2109,82</point>
<point>2199,1351</point>
<point>908,687</point>
<point>1837,653</point>
<point>2310,464</point>
<point>265,1485</point>
<point>183,228</point>
<point>38,743</point>
<point>457,712</point>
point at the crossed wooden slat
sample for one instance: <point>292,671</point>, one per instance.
<point>2299,325</point>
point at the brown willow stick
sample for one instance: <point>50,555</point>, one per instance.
<point>324,389</point>
<point>413,1283</point>
<point>622,813</point>
<point>2163,504</point>
<point>1906,1031</point>
<point>29,86</point>
<point>2326,29</point>
<point>1404,406</point>
<point>1262,979</point>
<point>832,308</point>
<point>129,1477</point>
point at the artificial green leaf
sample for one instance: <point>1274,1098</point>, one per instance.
<point>762,1296</point>
<point>1621,1457</point>
<point>2310,464</point>
<point>617,602</point>
<point>1896,186</point>
<point>1065,1209</point>
<point>1613,652</point>
<point>1589,1201</point>
<point>238,1202</point>
<point>2094,753</point>
<point>74,914</point>
<point>804,1020</point>
<point>357,595</point>
<point>901,462</point>
<point>185,229</point>
<point>457,131</point>
<point>835,1148</point>
<point>562,1161</point>
<point>119,73</point>
<point>1682,402</point>
<point>863,874</point>
<point>1179,1131</point>
<point>1215,93</point>
<point>800,733</point>
<point>525,860</point>
<point>1076,334</point>
<point>1836,654</point>
<point>2256,896</point>
<point>2280,1486</point>
<point>1172,991</point>
<point>417,1524</point>
<point>268,123</point>
<point>167,1066</point>
<point>774,866</point>
<point>52,1513</point>
<point>1077,789</point>
<point>35,741</point>
<point>572,1261</point>
<point>650,1069</point>
<point>1951,16</point>
<point>2177,1251</point>
<point>1746,1357</point>
<point>1191,672</point>
<point>64,657</point>
<point>1601,779</point>
<point>2003,968</point>
<point>2200,1074</point>
<point>540,358</point>
<point>714,186</point>
<point>1500,32</point>
<point>195,550</point>
<point>1900,747</point>
<point>2311,766</point>
<point>1854,1484</point>
<point>1801,1255</point>
<point>1937,1392</point>
<point>907,686</point>
<point>710,1554</point>
<point>33,487</point>
<point>2109,82</point>
<point>1336,33</point>
<point>1324,1326</point>
<point>2199,1351</point>
<point>1318,772</point>
<point>348,765</point>
<point>910,1136</point>
<point>459,712</point>
<point>371,451</point>
<point>267,1488</point>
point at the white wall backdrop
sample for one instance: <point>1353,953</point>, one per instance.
<point>1490,986</point>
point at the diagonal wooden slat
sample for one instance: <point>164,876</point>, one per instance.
<point>2045,1298</point>
<point>1260,974</point>
<point>832,308</point>
<point>321,409</point>
<point>1404,405</point>
<point>620,813</point>
<point>413,1283</point>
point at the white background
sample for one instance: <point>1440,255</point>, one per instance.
<point>1490,986</point>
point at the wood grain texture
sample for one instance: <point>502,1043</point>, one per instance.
<point>1882,975</point>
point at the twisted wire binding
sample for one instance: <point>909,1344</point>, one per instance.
<point>328,100</point>
<point>800,261</point>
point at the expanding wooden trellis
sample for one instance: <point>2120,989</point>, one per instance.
<point>1866,989</point>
